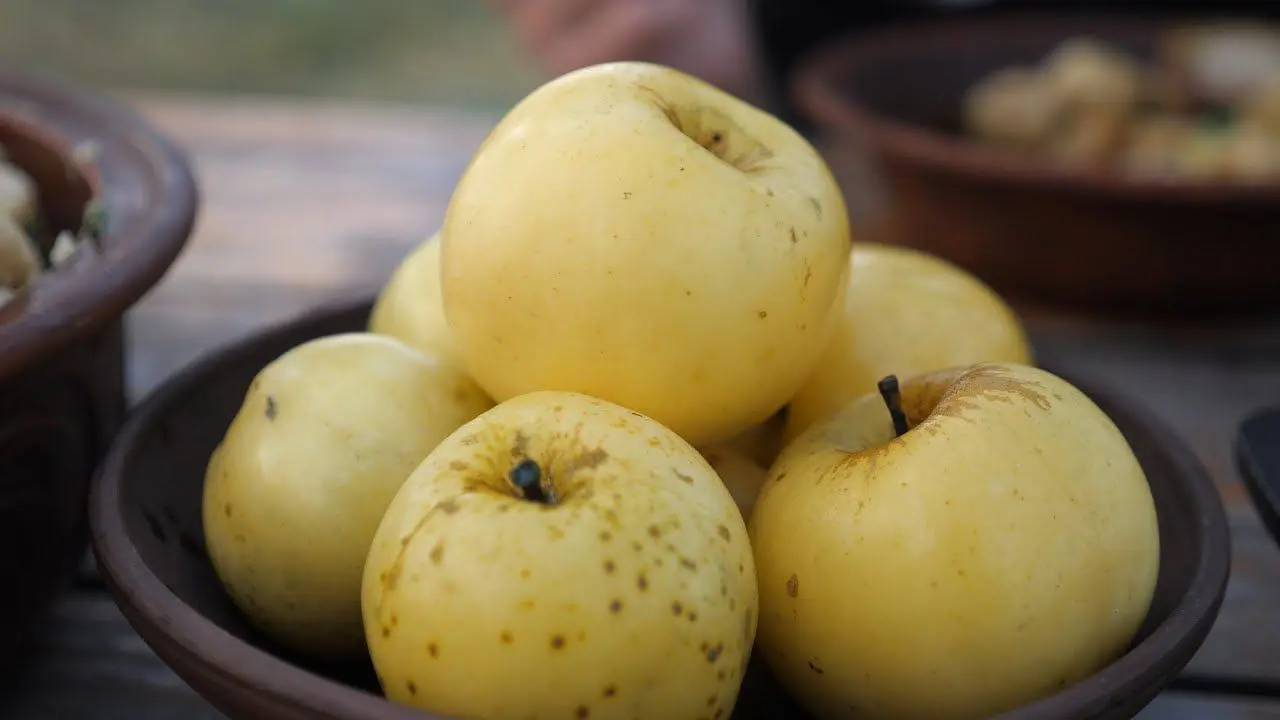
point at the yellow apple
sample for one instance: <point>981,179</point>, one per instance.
<point>739,472</point>
<point>561,556</point>
<point>906,312</point>
<point>630,232</point>
<point>325,436</point>
<point>1003,546</point>
<point>410,306</point>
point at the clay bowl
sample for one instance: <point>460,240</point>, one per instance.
<point>1088,241</point>
<point>145,511</point>
<point>61,342</point>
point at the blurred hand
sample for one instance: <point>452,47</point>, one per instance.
<point>712,39</point>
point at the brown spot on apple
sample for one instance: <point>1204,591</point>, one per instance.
<point>615,606</point>
<point>271,408</point>
<point>793,586</point>
<point>437,552</point>
<point>413,689</point>
<point>684,478</point>
<point>713,652</point>
<point>557,642</point>
<point>433,650</point>
<point>723,532</point>
<point>505,637</point>
<point>458,466</point>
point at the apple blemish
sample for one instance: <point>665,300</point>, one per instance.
<point>892,395</point>
<point>527,477</point>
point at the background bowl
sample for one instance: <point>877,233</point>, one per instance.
<point>61,342</point>
<point>1084,239</point>
<point>145,511</point>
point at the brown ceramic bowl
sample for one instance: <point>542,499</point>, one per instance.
<point>145,511</point>
<point>1088,240</point>
<point>61,341</point>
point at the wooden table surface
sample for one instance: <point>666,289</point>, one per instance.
<point>304,203</point>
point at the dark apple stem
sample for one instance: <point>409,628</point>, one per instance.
<point>527,476</point>
<point>893,400</point>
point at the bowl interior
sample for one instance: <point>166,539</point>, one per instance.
<point>147,532</point>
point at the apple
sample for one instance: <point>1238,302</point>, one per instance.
<point>739,472</point>
<point>325,435</point>
<point>410,306</point>
<point>906,312</point>
<point>633,233</point>
<point>562,556</point>
<point>986,542</point>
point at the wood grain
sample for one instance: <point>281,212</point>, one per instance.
<point>307,203</point>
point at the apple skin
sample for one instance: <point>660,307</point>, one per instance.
<point>906,312</point>
<point>326,434</point>
<point>630,232</point>
<point>1002,549</point>
<point>633,594</point>
<point>410,307</point>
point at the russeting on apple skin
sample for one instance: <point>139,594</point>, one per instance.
<point>633,233</point>
<point>1002,548</point>
<point>561,556</point>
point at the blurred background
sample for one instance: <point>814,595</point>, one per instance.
<point>454,52</point>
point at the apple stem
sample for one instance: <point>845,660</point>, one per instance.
<point>893,400</point>
<point>527,476</point>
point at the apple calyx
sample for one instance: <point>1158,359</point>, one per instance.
<point>527,477</point>
<point>893,400</point>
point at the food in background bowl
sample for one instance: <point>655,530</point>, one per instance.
<point>1200,109</point>
<point>28,247</point>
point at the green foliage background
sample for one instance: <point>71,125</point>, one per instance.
<point>419,51</point>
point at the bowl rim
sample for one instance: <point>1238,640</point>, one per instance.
<point>142,240</point>
<point>818,76</point>
<point>164,621</point>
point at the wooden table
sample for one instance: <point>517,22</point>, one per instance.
<point>305,203</point>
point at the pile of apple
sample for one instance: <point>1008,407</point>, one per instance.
<point>640,409</point>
